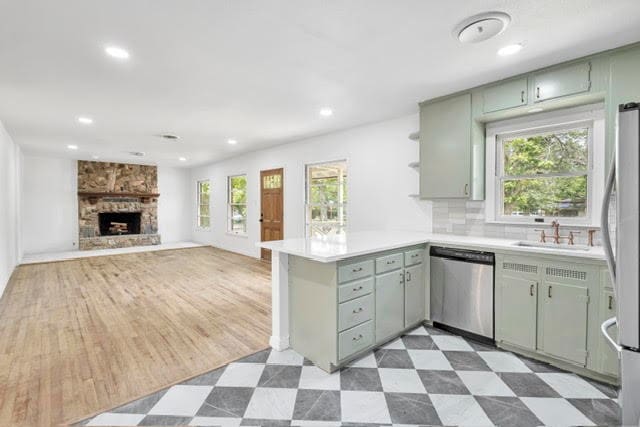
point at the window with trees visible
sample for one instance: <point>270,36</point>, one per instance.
<point>237,201</point>
<point>204,207</point>
<point>326,198</point>
<point>548,172</point>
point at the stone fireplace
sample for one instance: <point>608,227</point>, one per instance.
<point>117,205</point>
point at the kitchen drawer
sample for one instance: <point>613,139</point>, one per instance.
<point>413,257</point>
<point>358,270</point>
<point>354,312</point>
<point>355,340</point>
<point>388,263</point>
<point>355,289</point>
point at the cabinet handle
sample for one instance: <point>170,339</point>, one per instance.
<point>466,189</point>
<point>538,92</point>
<point>549,292</point>
<point>522,97</point>
<point>391,262</point>
<point>610,302</point>
<point>408,276</point>
<point>415,255</point>
<point>355,270</point>
<point>358,338</point>
<point>359,288</point>
<point>531,288</point>
<point>358,310</point>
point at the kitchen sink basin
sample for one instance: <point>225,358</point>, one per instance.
<point>563,247</point>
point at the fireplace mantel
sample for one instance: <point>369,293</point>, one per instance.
<point>94,195</point>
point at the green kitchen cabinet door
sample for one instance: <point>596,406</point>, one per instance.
<point>609,363</point>
<point>389,304</point>
<point>445,148</point>
<point>510,94</point>
<point>566,80</point>
<point>517,322</point>
<point>564,321</point>
<point>413,295</point>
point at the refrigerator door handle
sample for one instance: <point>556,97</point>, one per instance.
<point>604,328</point>
<point>604,224</point>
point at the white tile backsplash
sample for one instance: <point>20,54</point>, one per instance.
<point>467,218</point>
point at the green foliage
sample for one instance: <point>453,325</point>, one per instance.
<point>537,161</point>
<point>238,189</point>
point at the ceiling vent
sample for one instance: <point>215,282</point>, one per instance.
<point>169,137</point>
<point>481,27</point>
<point>137,153</point>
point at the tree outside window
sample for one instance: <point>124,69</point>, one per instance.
<point>326,199</point>
<point>204,207</point>
<point>237,201</point>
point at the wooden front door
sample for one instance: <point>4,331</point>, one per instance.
<point>271,202</point>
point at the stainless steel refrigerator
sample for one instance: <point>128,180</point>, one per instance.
<point>624,261</point>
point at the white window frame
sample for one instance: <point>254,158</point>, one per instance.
<point>591,116</point>
<point>199,204</point>
<point>307,192</point>
<point>230,229</point>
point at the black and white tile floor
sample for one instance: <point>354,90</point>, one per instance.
<point>428,377</point>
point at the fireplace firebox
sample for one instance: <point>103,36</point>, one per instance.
<point>119,223</point>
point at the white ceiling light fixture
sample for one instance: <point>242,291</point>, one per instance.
<point>72,147</point>
<point>232,141</point>
<point>481,27</point>
<point>510,49</point>
<point>326,112</point>
<point>85,120</point>
<point>117,52</point>
<point>182,159</point>
<point>95,157</point>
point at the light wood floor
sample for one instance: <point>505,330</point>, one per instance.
<point>79,337</point>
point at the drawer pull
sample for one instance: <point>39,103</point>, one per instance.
<point>522,97</point>
<point>358,338</point>
<point>610,302</point>
<point>358,310</point>
<point>415,255</point>
<point>355,270</point>
<point>538,92</point>
<point>391,262</point>
<point>359,288</point>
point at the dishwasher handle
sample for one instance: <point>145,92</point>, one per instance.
<point>463,255</point>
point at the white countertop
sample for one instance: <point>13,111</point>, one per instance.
<point>335,248</point>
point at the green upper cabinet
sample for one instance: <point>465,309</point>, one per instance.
<point>445,148</point>
<point>510,94</point>
<point>562,81</point>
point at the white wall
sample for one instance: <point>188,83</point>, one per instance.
<point>50,204</point>
<point>10,171</point>
<point>379,182</point>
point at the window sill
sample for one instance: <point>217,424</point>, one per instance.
<point>542,224</point>
<point>229,233</point>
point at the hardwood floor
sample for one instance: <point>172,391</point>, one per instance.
<point>79,337</point>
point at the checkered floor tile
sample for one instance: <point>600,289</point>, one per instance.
<point>427,377</point>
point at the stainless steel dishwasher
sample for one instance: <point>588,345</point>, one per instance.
<point>462,291</point>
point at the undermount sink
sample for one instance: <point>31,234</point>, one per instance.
<point>563,247</point>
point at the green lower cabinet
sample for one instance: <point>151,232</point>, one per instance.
<point>564,321</point>
<point>609,362</point>
<point>517,324</point>
<point>413,295</point>
<point>389,304</point>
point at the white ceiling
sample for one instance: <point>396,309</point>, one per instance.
<point>259,70</point>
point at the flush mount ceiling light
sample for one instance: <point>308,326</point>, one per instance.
<point>232,141</point>
<point>510,49</point>
<point>72,147</point>
<point>481,27</point>
<point>326,112</point>
<point>116,52</point>
<point>94,157</point>
<point>182,159</point>
<point>85,120</point>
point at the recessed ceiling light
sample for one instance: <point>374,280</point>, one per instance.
<point>232,141</point>
<point>94,157</point>
<point>326,112</point>
<point>182,159</point>
<point>72,147</point>
<point>116,52</point>
<point>85,120</point>
<point>536,110</point>
<point>481,27</point>
<point>510,49</point>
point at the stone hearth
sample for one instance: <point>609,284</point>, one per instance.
<point>124,198</point>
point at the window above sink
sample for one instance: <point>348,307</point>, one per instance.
<point>546,166</point>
